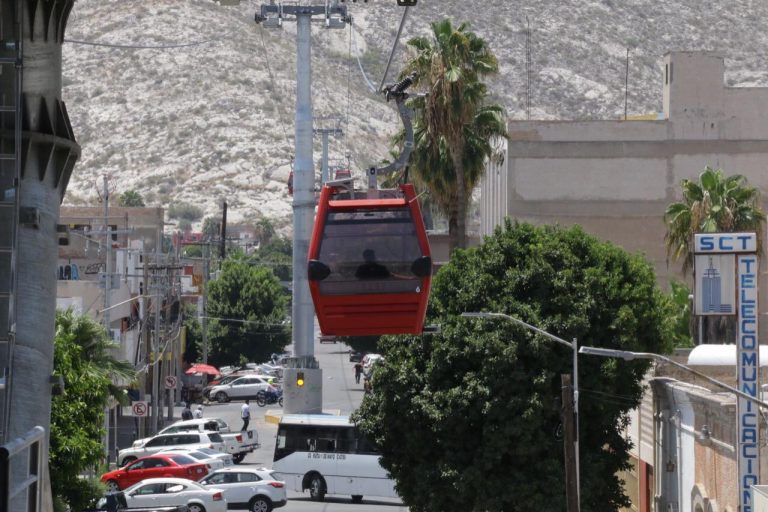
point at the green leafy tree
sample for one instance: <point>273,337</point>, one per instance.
<point>714,203</point>
<point>248,309</point>
<point>194,334</point>
<point>82,358</point>
<point>131,198</point>
<point>683,319</point>
<point>185,211</point>
<point>265,230</point>
<point>212,227</point>
<point>454,124</point>
<point>468,419</point>
<point>276,254</point>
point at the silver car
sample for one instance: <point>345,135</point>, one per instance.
<point>247,386</point>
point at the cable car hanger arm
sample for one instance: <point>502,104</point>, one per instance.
<point>399,94</point>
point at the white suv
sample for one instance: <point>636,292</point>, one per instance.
<point>162,442</point>
<point>254,489</point>
<point>247,386</point>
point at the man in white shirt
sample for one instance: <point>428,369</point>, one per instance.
<point>199,411</point>
<point>245,413</point>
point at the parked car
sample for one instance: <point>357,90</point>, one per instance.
<point>160,442</point>
<point>224,380</point>
<point>116,502</point>
<point>254,489</point>
<point>238,443</point>
<point>213,463</point>
<point>165,465</point>
<point>175,491</point>
<point>244,387</point>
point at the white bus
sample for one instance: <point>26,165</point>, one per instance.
<point>327,455</point>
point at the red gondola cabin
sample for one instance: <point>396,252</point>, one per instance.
<point>370,267</point>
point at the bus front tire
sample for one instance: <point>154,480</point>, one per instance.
<point>357,498</point>
<point>317,488</point>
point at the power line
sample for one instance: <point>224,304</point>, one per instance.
<point>139,46</point>
<point>394,48</point>
<point>360,64</point>
<point>273,82</point>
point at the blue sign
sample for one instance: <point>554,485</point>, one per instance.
<point>748,366</point>
<point>724,243</point>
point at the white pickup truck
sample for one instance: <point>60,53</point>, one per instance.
<point>239,443</point>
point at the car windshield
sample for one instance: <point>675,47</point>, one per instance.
<point>215,437</point>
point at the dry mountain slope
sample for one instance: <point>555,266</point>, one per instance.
<point>201,123</point>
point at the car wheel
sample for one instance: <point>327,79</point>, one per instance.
<point>260,504</point>
<point>112,486</point>
<point>222,397</point>
<point>237,458</point>
<point>128,460</point>
<point>357,498</point>
<point>195,507</point>
<point>317,487</point>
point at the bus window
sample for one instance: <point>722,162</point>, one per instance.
<point>345,442</point>
<point>365,446</point>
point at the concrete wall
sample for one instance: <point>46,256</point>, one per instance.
<point>615,178</point>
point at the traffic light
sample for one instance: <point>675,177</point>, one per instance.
<point>406,3</point>
<point>300,379</point>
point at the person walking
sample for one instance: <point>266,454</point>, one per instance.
<point>358,371</point>
<point>199,411</point>
<point>245,414</point>
<point>186,413</point>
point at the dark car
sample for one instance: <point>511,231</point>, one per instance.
<point>355,357</point>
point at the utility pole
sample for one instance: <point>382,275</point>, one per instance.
<point>326,132</point>
<point>145,340</point>
<point>626,86</point>
<point>203,314</point>
<point>156,339</point>
<point>306,396</point>
<point>107,291</point>
<point>571,487</point>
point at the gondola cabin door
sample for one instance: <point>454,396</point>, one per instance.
<point>370,266</point>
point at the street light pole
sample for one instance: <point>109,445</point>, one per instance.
<point>574,346</point>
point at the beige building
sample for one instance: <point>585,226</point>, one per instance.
<point>615,178</point>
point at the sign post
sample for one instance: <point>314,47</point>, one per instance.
<point>726,266</point>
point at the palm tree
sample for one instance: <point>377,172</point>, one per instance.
<point>715,203</point>
<point>96,349</point>
<point>454,126</point>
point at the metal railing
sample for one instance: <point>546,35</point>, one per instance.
<point>26,476</point>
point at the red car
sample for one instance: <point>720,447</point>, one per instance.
<point>154,466</point>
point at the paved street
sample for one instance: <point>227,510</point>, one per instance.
<point>340,394</point>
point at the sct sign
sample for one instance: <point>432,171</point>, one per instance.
<point>713,243</point>
<point>726,267</point>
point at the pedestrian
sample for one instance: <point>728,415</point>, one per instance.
<point>199,411</point>
<point>358,371</point>
<point>245,413</point>
<point>186,413</point>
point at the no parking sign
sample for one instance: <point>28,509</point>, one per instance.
<point>139,409</point>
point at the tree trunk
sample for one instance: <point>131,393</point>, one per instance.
<point>461,200</point>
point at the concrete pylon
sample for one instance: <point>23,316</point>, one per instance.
<point>48,155</point>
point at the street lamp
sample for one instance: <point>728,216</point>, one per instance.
<point>572,345</point>
<point>628,356</point>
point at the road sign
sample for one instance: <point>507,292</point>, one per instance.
<point>139,409</point>
<point>170,382</point>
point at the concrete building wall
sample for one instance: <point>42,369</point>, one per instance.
<point>616,178</point>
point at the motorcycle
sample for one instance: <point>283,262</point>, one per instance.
<point>269,397</point>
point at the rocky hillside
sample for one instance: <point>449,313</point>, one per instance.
<point>189,101</point>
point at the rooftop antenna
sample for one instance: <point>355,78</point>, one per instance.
<point>528,65</point>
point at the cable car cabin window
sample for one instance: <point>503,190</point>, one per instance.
<point>370,252</point>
